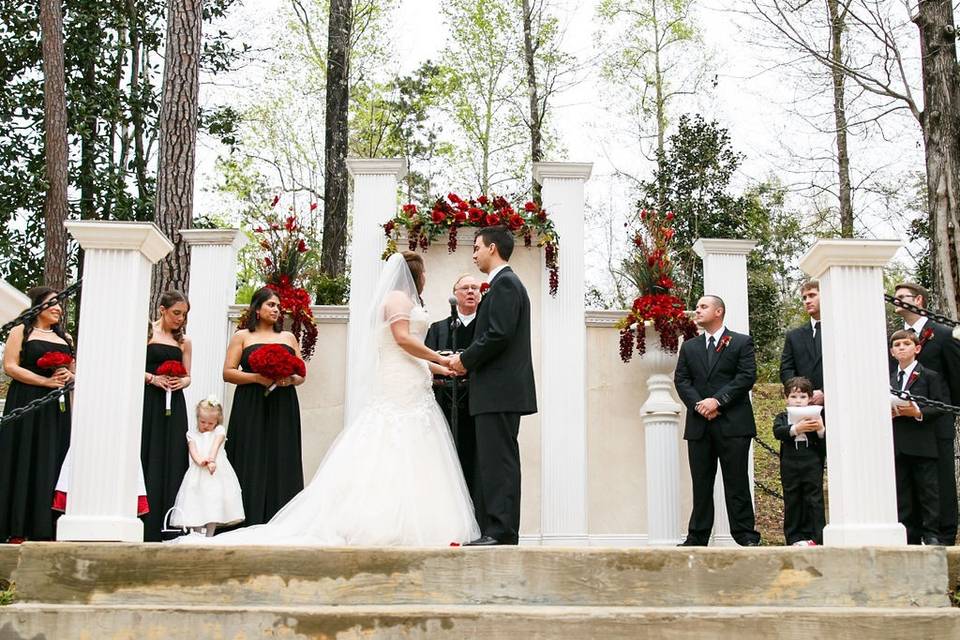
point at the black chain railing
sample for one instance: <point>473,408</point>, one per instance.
<point>36,310</point>
<point>920,311</point>
<point>33,405</point>
<point>930,402</point>
<point>767,490</point>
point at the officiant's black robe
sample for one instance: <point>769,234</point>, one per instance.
<point>440,338</point>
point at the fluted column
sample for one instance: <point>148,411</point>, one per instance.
<point>12,302</point>
<point>563,406</point>
<point>374,202</point>
<point>725,275</point>
<point>660,415</point>
<point>108,406</point>
<point>213,288</point>
<point>863,498</point>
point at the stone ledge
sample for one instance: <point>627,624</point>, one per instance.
<point>248,576</point>
<point>489,622</point>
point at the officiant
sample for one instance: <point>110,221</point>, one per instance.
<point>442,337</point>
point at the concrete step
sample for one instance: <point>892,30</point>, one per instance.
<point>164,575</point>
<point>491,622</point>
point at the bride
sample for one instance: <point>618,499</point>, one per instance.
<point>392,476</point>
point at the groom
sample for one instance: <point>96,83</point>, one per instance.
<point>501,387</point>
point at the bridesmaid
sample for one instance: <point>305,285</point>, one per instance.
<point>32,448</point>
<point>263,442</point>
<point>163,445</point>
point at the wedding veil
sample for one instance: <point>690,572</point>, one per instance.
<point>393,299</point>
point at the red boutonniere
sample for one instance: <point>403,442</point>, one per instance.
<point>913,377</point>
<point>484,288</point>
<point>724,341</point>
<point>926,334</point>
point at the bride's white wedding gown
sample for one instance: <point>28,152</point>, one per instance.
<point>392,477</point>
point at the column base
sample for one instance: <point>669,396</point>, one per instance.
<point>865,535</point>
<point>99,529</point>
<point>723,540</point>
<point>664,542</point>
<point>564,540</point>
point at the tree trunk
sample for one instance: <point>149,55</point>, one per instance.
<point>335,188</point>
<point>137,92</point>
<point>178,141</point>
<point>536,140</point>
<point>941,133</point>
<point>55,207</point>
<point>840,116</point>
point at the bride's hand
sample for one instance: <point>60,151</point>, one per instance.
<point>444,361</point>
<point>444,371</point>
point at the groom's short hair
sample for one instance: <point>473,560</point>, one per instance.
<point>500,236</point>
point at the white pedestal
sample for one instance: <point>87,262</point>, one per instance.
<point>563,405</point>
<point>108,406</point>
<point>213,277</point>
<point>660,415</point>
<point>863,498</point>
<point>374,202</point>
<point>725,275</point>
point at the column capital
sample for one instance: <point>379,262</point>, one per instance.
<point>561,170</point>
<point>231,237</point>
<point>396,167</point>
<point>144,237</point>
<point>727,246</point>
<point>847,253</point>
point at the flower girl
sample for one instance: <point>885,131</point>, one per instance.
<point>210,493</point>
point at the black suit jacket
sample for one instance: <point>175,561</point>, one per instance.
<point>781,431</point>
<point>729,381</point>
<point>439,336</point>
<point>941,353</point>
<point>913,437</point>
<point>499,361</point>
<point>802,356</point>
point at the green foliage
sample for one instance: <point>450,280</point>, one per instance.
<point>767,403</point>
<point>333,290</point>
<point>8,592</point>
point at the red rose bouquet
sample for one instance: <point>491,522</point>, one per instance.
<point>275,361</point>
<point>651,269</point>
<point>171,369</point>
<point>54,360</point>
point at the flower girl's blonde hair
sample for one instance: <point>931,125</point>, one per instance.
<point>211,404</point>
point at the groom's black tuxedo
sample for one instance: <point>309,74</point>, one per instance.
<point>502,389</point>
<point>726,438</point>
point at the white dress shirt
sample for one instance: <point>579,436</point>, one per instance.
<point>493,274</point>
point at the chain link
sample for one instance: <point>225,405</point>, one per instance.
<point>33,405</point>
<point>920,311</point>
<point>36,310</point>
<point>930,402</point>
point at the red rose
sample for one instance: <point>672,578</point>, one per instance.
<point>438,216</point>
<point>476,215</point>
<point>483,200</point>
<point>670,215</point>
<point>409,209</point>
<point>515,222</point>
<point>302,246</point>
<point>463,206</point>
<point>172,368</point>
<point>459,217</point>
<point>500,202</point>
<point>388,228</point>
<point>454,198</point>
<point>542,215</point>
<point>530,206</point>
<point>54,360</point>
<point>492,219</point>
<point>291,223</point>
<point>484,288</point>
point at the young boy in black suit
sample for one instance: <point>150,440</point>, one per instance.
<point>802,452</point>
<point>915,439</point>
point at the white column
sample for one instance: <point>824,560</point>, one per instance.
<point>563,407</point>
<point>863,498</point>
<point>213,288</point>
<point>660,415</point>
<point>725,275</point>
<point>12,302</point>
<point>374,202</point>
<point>108,406</point>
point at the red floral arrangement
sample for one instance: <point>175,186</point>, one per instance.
<point>171,369</point>
<point>484,288</point>
<point>275,361</point>
<point>652,269</point>
<point>448,215</point>
<point>54,360</point>
<point>287,254</point>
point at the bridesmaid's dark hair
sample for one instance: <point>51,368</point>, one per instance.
<point>167,300</point>
<point>259,297</point>
<point>38,295</point>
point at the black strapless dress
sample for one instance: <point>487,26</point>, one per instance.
<point>263,445</point>
<point>32,450</point>
<point>163,444</point>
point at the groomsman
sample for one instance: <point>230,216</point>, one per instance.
<point>940,352</point>
<point>440,338</point>
<point>715,372</point>
<point>802,347</point>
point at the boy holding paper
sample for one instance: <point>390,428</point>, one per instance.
<point>801,432</point>
<point>915,439</point>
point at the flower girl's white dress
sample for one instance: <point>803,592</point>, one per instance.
<point>204,497</point>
